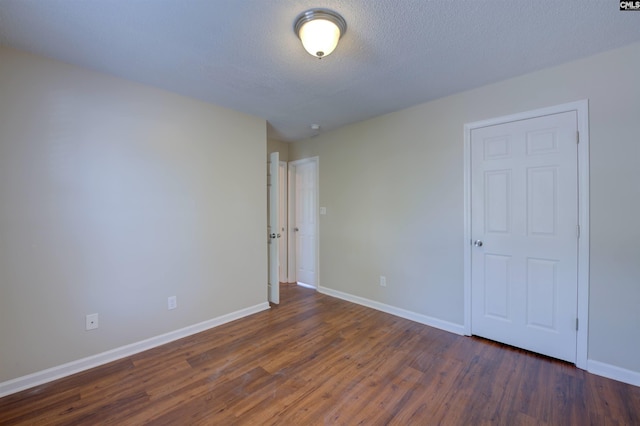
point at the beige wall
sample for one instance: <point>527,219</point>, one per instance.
<point>114,196</point>
<point>393,187</point>
<point>278,146</point>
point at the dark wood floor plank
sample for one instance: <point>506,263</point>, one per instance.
<point>20,412</point>
<point>317,360</point>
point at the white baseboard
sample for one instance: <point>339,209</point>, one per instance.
<point>58,372</point>
<point>612,372</point>
<point>402,313</point>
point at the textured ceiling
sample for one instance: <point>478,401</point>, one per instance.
<point>244,55</point>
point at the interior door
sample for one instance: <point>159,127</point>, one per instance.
<point>524,227</point>
<point>282,240</point>
<point>306,222</point>
<point>273,230</point>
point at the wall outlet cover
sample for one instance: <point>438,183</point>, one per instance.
<point>91,322</point>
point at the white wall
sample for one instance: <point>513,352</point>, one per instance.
<point>114,196</point>
<point>393,188</point>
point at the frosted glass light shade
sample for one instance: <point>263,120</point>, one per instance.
<point>319,30</point>
<point>319,37</point>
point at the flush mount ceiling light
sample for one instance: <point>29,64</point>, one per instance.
<point>319,30</point>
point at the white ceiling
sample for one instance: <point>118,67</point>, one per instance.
<point>244,55</point>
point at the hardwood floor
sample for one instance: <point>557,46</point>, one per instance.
<point>315,359</point>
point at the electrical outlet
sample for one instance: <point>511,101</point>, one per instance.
<point>383,281</point>
<point>91,322</point>
<point>172,302</point>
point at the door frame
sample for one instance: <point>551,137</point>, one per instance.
<point>292,267</point>
<point>582,112</point>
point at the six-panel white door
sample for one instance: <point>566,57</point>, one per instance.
<point>524,219</point>
<point>306,211</point>
<point>273,229</point>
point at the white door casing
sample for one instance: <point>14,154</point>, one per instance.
<point>525,185</point>
<point>291,236</point>
<point>273,190</point>
<point>282,226</point>
<point>304,220</point>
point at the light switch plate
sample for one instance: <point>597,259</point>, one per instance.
<point>172,302</point>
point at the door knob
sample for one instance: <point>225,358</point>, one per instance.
<point>477,243</point>
<point>296,229</point>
